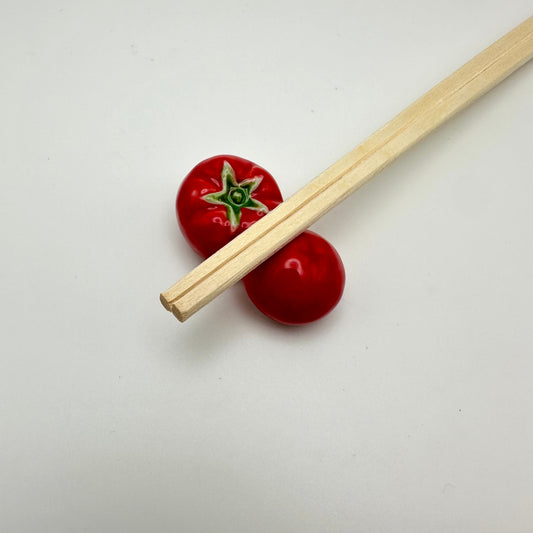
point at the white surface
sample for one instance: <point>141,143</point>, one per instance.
<point>407,409</point>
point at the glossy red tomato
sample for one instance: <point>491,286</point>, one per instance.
<point>220,198</point>
<point>301,283</point>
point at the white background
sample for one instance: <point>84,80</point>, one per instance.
<point>407,409</point>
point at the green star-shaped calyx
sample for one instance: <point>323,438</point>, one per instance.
<point>236,196</point>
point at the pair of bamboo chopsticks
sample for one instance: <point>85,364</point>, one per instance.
<point>289,219</point>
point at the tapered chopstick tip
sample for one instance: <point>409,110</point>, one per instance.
<point>182,317</point>
<point>165,302</point>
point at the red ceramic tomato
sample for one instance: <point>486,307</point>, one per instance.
<point>301,283</point>
<point>220,198</point>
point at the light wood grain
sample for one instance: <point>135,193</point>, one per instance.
<point>328,189</point>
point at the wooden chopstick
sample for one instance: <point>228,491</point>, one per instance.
<point>289,219</point>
